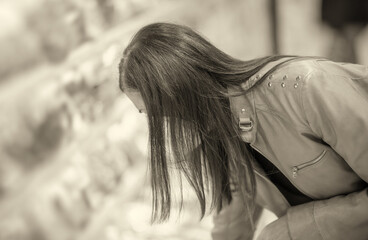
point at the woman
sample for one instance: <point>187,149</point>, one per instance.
<point>285,133</point>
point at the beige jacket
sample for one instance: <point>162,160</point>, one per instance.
<point>310,119</point>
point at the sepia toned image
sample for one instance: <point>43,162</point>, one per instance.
<point>183,119</point>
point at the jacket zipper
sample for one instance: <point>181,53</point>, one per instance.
<point>319,157</point>
<point>296,169</point>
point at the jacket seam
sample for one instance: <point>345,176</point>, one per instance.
<point>288,226</point>
<point>302,101</point>
<point>315,222</point>
<point>304,89</point>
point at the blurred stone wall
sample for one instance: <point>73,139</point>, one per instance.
<point>73,148</point>
<point>35,32</point>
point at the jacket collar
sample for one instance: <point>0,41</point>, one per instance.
<point>243,106</point>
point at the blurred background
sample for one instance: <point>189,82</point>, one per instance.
<point>73,148</point>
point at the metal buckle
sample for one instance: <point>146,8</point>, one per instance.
<point>245,124</point>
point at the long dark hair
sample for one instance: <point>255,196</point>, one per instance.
<point>183,80</point>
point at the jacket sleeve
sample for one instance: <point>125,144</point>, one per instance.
<point>336,108</point>
<point>231,223</point>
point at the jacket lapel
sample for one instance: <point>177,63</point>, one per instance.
<point>243,110</point>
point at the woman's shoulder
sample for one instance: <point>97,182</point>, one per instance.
<point>319,79</point>
<point>293,72</point>
<point>285,73</point>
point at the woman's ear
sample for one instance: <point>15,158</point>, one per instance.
<point>137,99</point>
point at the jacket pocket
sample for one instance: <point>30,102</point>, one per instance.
<point>300,167</point>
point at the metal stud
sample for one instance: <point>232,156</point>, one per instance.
<point>269,84</point>
<point>298,78</point>
<point>285,77</point>
<point>270,77</point>
<point>258,76</point>
<point>243,110</point>
<point>283,84</point>
<point>295,85</point>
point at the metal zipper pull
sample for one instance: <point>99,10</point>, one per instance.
<point>295,172</point>
<point>307,164</point>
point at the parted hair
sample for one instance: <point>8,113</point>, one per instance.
<point>184,80</point>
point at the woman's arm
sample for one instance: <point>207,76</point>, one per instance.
<point>231,223</point>
<point>336,108</point>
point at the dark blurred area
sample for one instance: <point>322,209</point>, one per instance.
<point>348,19</point>
<point>73,148</point>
